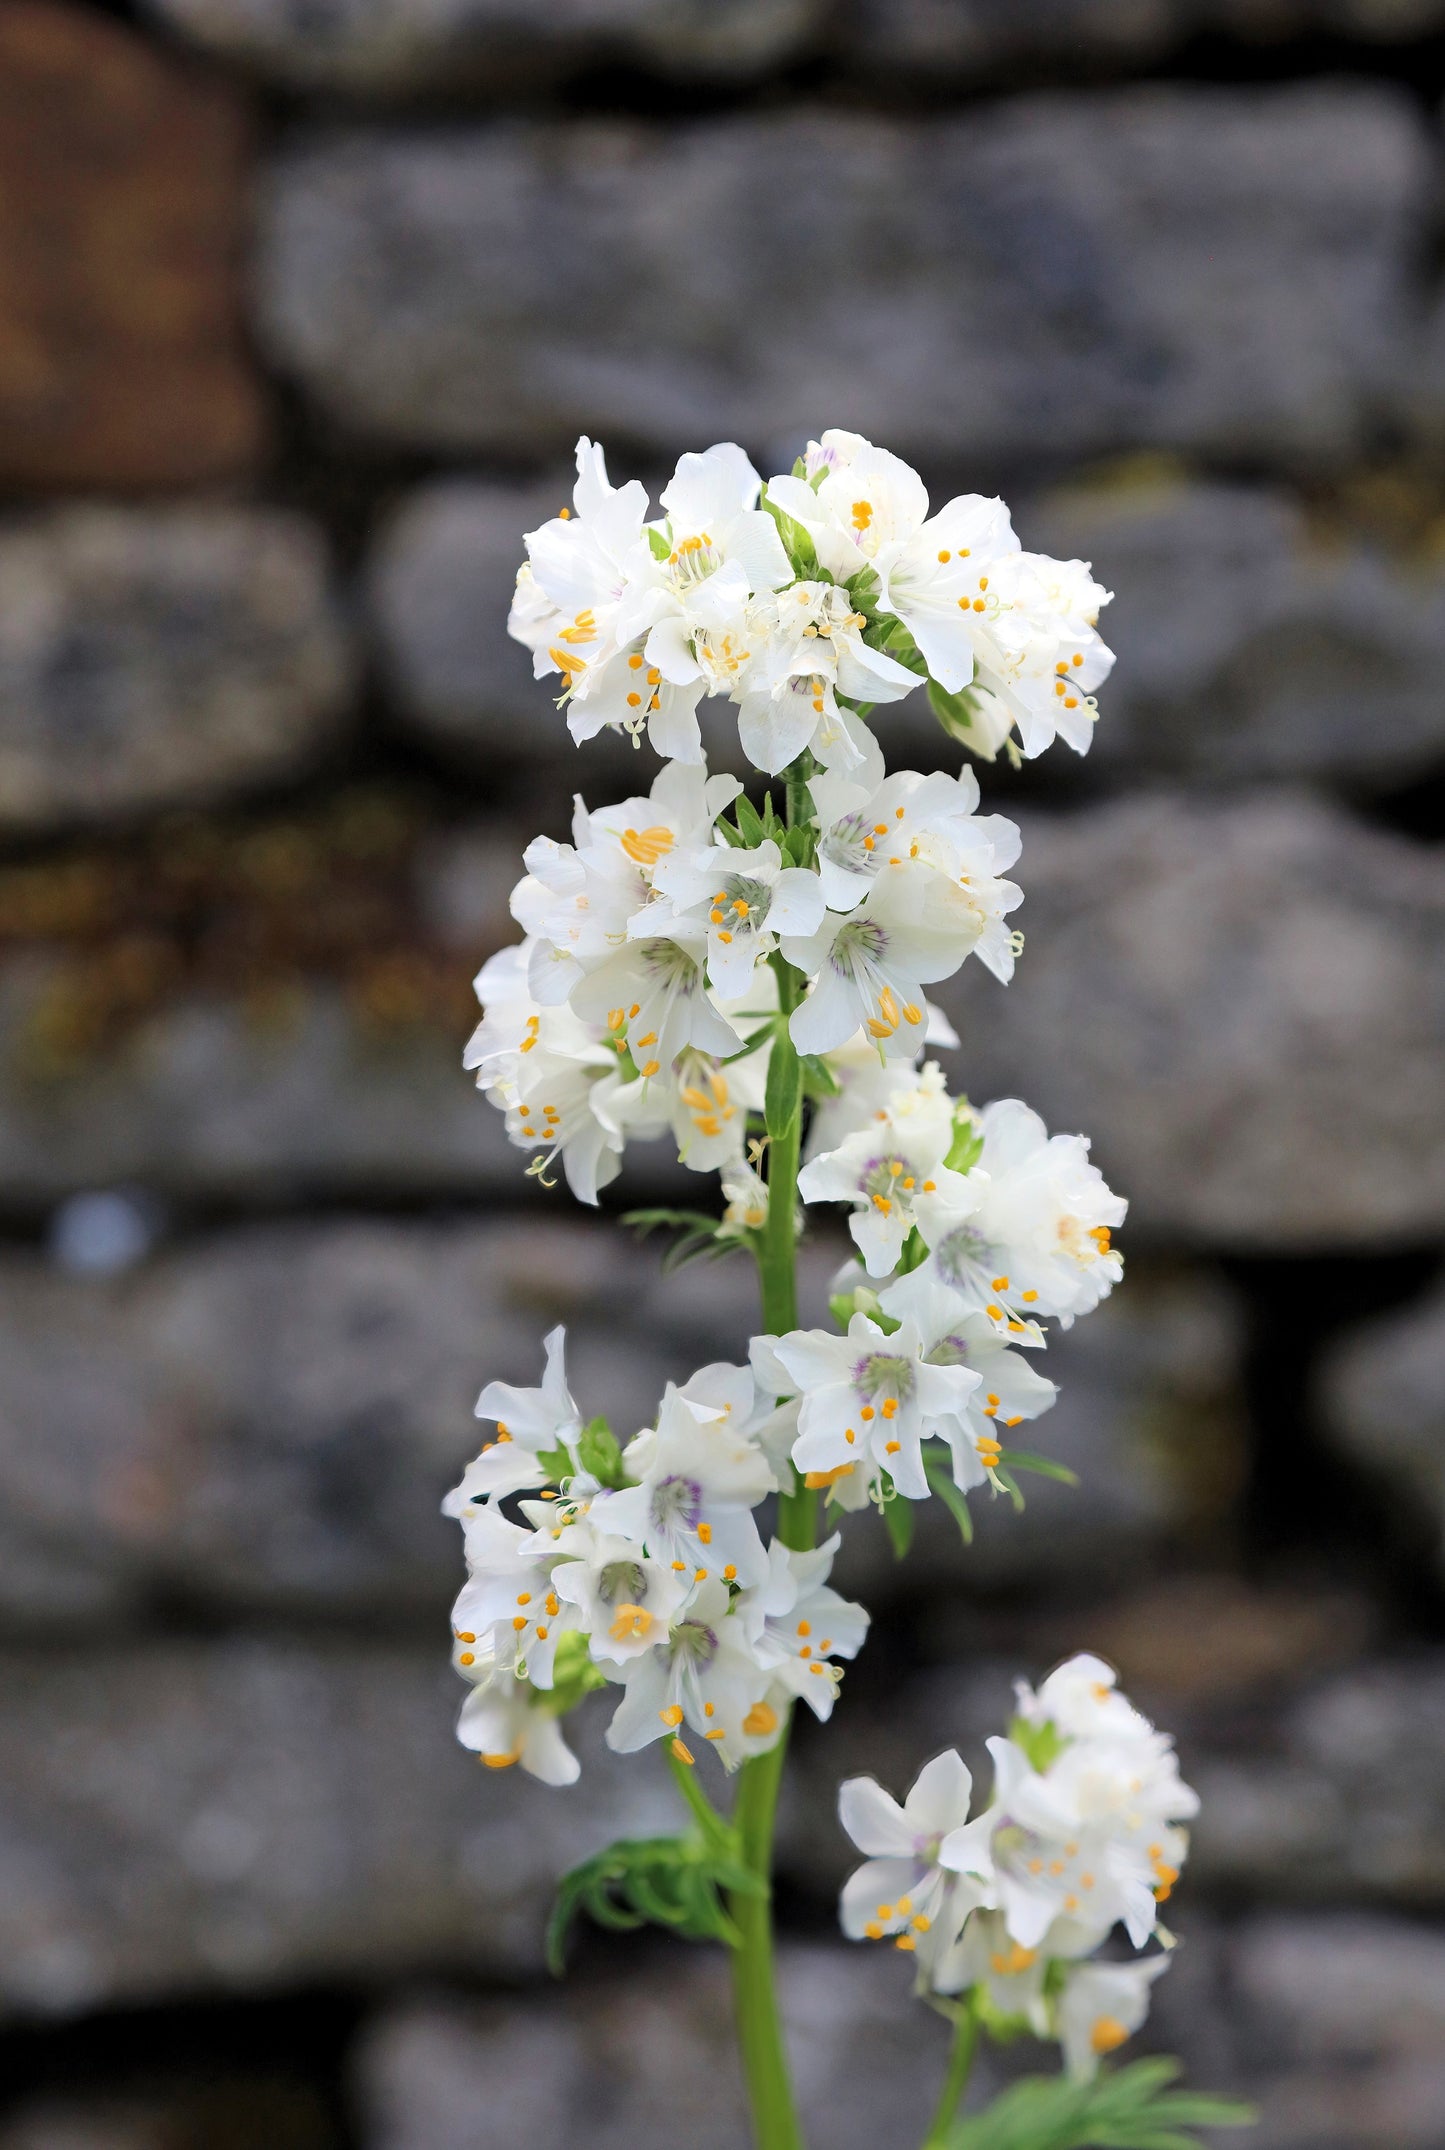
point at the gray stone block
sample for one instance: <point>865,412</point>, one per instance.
<point>159,657</point>
<point>1243,1005</point>
<point>1060,276</point>
<point>490,47</point>
<point>1382,1393</point>
<point>1253,641</point>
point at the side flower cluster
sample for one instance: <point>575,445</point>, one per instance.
<point>640,1567</point>
<point>1083,1836</point>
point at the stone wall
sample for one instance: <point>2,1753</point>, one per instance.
<point>300,310</point>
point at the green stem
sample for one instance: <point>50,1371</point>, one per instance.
<point>760,2031</point>
<point>955,2083</point>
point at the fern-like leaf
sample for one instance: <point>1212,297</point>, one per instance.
<point>1130,2108</point>
<point>676,1882</point>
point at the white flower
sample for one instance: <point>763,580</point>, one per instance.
<point>927,818</point>
<point>528,1421</point>
<point>508,1605</point>
<point>652,996</point>
<point>578,900</point>
<point>882,1169</point>
<point>569,607</point>
<point>705,1102</point>
<point>805,1624</point>
<point>1018,628</point>
<point>505,1721</point>
<point>720,548</point>
<point>807,648</point>
<point>1073,1838</point>
<point>904,1891</point>
<point>1034,1238</point>
<point>1081,1698</point>
<point>869,969</point>
<point>703,1672</point>
<point>745,1194</point>
<point>1008,1391</point>
<point>623,1600</point>
<point>743,898</point>
<point>699,1476</point>
<point>869,1401</point>
<point>1101,2005</point>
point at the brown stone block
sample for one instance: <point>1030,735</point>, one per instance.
<point>121,206</point>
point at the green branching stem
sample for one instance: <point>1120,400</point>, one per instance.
<point>960,2067</point>
<point>760,2033</point>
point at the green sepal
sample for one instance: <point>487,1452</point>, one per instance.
<point>797,544</point>
<point>799,845</point>
<point>1042,1743</point>
<point>888,633</point>
<point>730,835</point>
<point>660,543</point>
<point>957,714</point>
<point>574,1677</point>
<point>558,1462</point>
<point>783,1096</point>
<point>599,1452</point>
<point>863,589</point>
<point>1129,2108</point>
<point>940,1477</point>
<point>898,1515</point>
<point>749,821</point>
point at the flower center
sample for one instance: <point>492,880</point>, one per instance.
<point>692,560</point>
<point>694,1643</point>
<point>672,966</point>
<point>961,1255</point>
<point>622,1579</point>
<point>889,1183</point>
<point>885,1376</point>
<point>850,844</point>
<point>677,1503</point>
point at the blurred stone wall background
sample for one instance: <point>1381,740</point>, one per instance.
<point>302,303</point>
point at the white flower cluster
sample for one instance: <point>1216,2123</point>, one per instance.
<point>801,601</point>
<point>646,1569</point>
<point>639,1003</point>
<point>1083,1835</point>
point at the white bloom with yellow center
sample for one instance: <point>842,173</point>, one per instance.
<point>652,997</point>
<point>904,1893</point>
<point>868,969</point>
<point>869,1401</point>
<point>806,1624</point>
<point>1100,2007</point>
<point>807,649</point>
<point>528,1421</point>
<point>703,1673</point>
<point>699,1477</point>
<point>743,898</point>
<point>1035,1236</point>
<point>886,1167</point>
<point>505,1721</point>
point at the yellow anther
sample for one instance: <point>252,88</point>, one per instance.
<point>672,1715</point>
<point>631,1623</point>
<point>646,846</point>
<point>1108,2035</point>
<point>683,1753</point>
<point>760,1721</point>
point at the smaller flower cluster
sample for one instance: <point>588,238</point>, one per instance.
<point>1082,1836</point>
<point>974,1228</point>
<point>641,1567</point>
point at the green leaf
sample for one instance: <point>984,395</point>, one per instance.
<point>800,844</point>
<point>660,543</point>
<point>698,1234</point>
<point>1024,1459</point>
<point>1004,1476</point>
<point>749,821</point>
<point>966,1147</point>
<point>783,1096</point>
<point>666,1881</point>
<point>557,1462</point>
<point>818,1078</point>
<point>599,1452</point>
<point>730,835</point>
<point>898,1515</point>
<point>1042,1742</point>
<point>936,1470</point>
<point>1129,2108</point>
